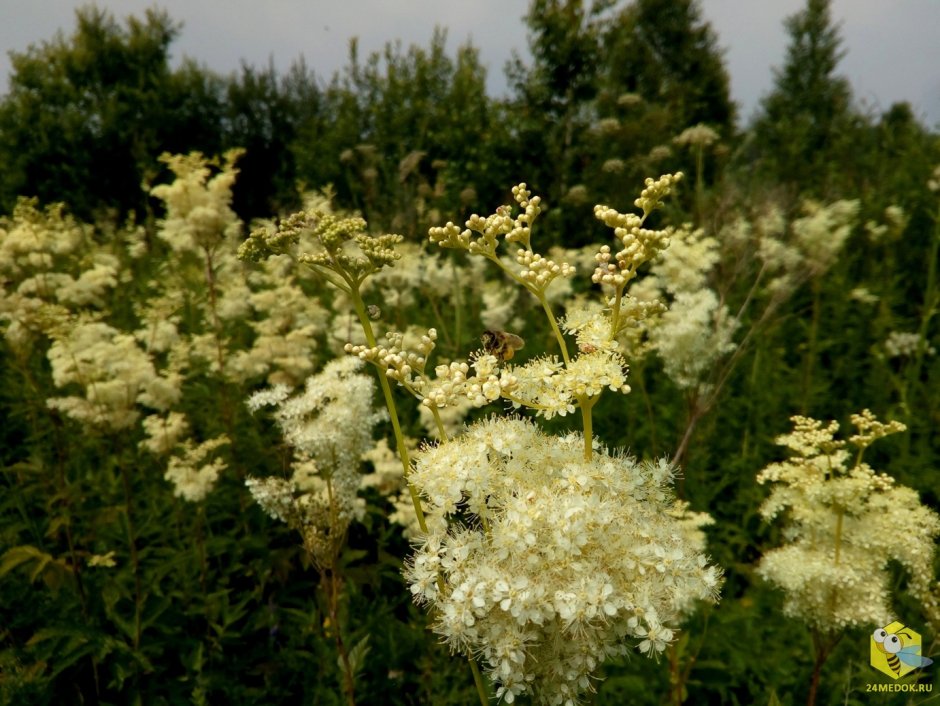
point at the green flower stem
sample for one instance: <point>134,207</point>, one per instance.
<point>557,331</point>
<point>523,403</point>
<point>615,314</point>
<point>360,308</point>
<point>440,424</point>
<point>458,306</point>
<point>821,650</point>
<point>478,681</point>
<point>587,405</point>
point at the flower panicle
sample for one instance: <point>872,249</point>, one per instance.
<point>341,244</point>
<point>481,236</point>
<point>843,521</point>
<point>541,590</point>
<point>639,244</point>
<point>480,380</point>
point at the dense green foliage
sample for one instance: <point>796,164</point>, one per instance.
<point>213,602</point>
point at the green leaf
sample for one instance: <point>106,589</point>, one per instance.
<point>57,523</point>
<point>12,558</point>
<point>357,657</point>
<point>41,564</point>
<point>21,467</point>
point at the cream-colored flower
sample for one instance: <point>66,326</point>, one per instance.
<point>845,525</point>
<point>329,426</point>
<point>567,560</point>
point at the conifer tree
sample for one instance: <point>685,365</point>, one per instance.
<point>609,82</point>
<point>666,53</point>
<point>805,123</point>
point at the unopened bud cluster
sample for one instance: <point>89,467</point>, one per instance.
<point>639,245</point>
<point>334,237</point>
<point>539,271</point>
<point>481,237</point>
<point>451,384</point>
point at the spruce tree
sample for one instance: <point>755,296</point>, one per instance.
<point>666,53</point>
<point>804,126</point>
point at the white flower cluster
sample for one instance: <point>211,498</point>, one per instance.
<point>691,336</point>
<point>49,265</point>
<point>551,388</point>
<point>894,224</point>
<point>329,426</point>
<point>696,136</point>
<point>862,295</point>
<point>286,323</point>
<point>901,344</point>
<point>822,232</point>
<point>164,432</point>
<point>113,372</point>
<point>697,329</point>
<point>198,204</point>
<point>933,183</point>
<point>845,523</point>
<point>590,324</point>
<point>203,232</point>
<point>192,477</point>
<point>799,250</point>
<point>558,560</point>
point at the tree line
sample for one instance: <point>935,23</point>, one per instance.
<point>410,132</point>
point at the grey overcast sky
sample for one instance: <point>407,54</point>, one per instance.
<point>893,50</point>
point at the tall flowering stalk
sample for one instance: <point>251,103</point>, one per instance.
<point>545,554</point>
<point>845,524</point>
<point>345,257</point>
<point>329,428</point>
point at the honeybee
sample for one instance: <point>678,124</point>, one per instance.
<point>501,344</point>
<point>896,651</point>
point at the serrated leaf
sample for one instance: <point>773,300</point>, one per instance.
<point>356,656</point>
<point>55,574</point>
<point>158,608</point>
<point>73,652</point>
<point>43,634</point>
<point>21,467</point>
<point>353,555</point>
<point>16,556</point>
<point>41,563</point>
<point>55,524</point>
<point>126,626</point>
